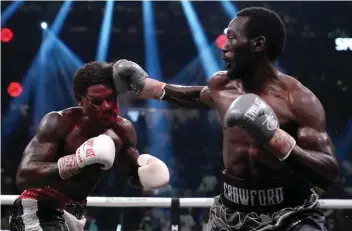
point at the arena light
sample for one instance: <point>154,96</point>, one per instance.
<point>12,116</point>
<point>220,41</point>
<point>14,89</point>
<point>44,25</point>
<point>343,44</point>
<point>6,35</point>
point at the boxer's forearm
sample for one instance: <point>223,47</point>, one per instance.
<point>37,174</point>
<point>134,181</point>
<point>318,167</point>
<point>190,103</point>
<point>183,92</point>
<point>184,96</point>
<point>128,166</point>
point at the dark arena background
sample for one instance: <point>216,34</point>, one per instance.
<point>44,43</point>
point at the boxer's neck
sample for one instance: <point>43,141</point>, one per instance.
<point>265,72</point>
<point>91,127</point>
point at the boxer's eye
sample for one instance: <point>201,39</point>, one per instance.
<point>96,101</point>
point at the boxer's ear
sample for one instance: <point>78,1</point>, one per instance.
<point>259,44</point>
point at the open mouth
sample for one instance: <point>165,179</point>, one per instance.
<point>227,65</point>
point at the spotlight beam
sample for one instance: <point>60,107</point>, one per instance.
<point>30,80</point>
<point>105,32</point>
<point>10,10</point>
<point>160,125</point>
<point>209,63</point>
<point>229,8</point>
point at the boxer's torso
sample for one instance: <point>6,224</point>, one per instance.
<point>242,157</point>
<point>79,186</point>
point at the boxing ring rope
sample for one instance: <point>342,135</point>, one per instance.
<point>165,202</point>
<point>174,203</point>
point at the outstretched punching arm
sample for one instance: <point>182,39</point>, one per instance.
<point>188,96</point>
<point>130,77</point>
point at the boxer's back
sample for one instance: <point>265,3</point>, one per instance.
<point>242,157</point>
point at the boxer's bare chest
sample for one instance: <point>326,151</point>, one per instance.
<point>78,135</point>
<point>83,183</point>
<point>242,156</point>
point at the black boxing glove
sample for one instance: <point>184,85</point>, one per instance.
<point>128,76</point>
<point>259,120</point>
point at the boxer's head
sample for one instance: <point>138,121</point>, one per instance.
<point>254,35</point>
<point>93,88</point>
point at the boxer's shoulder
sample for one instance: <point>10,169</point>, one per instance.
<point>218,79</point>
<point>59,123</point>
<point>292,85</point>
<point>54,123</point>
<point>125,129</point>
<point>303,103</point>
<point>72,113</point>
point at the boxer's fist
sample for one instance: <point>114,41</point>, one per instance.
<point>97,150</point>
<point>128,76</point>
<point>153,173</point>
<point>259,120</point>
<point>254,115</point>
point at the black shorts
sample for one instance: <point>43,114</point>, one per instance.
<point>301,218</point>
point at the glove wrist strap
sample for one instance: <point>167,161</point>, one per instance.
<point>68,166</point>
<point>281,144</point>
<point>153,89</point>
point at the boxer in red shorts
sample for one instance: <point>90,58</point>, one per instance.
<point>64,161</point>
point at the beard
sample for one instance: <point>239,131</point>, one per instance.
<point>241,64</point>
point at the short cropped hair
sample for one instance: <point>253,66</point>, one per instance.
<point>89,74</point>
<point>267,23</point>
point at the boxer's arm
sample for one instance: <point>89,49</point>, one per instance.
<point>38,166</point>
<point>128,76</point>
<point>127,158</point>
<point>194,96</point>
<point>313,156</point>
<point>144,171</point>
<point>188,96</point>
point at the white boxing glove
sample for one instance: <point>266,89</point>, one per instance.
<point>97,150</point>
<point>153,173</point>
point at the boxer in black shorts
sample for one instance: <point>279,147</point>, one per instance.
<point>65,159</point>
<point>275,146</point>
